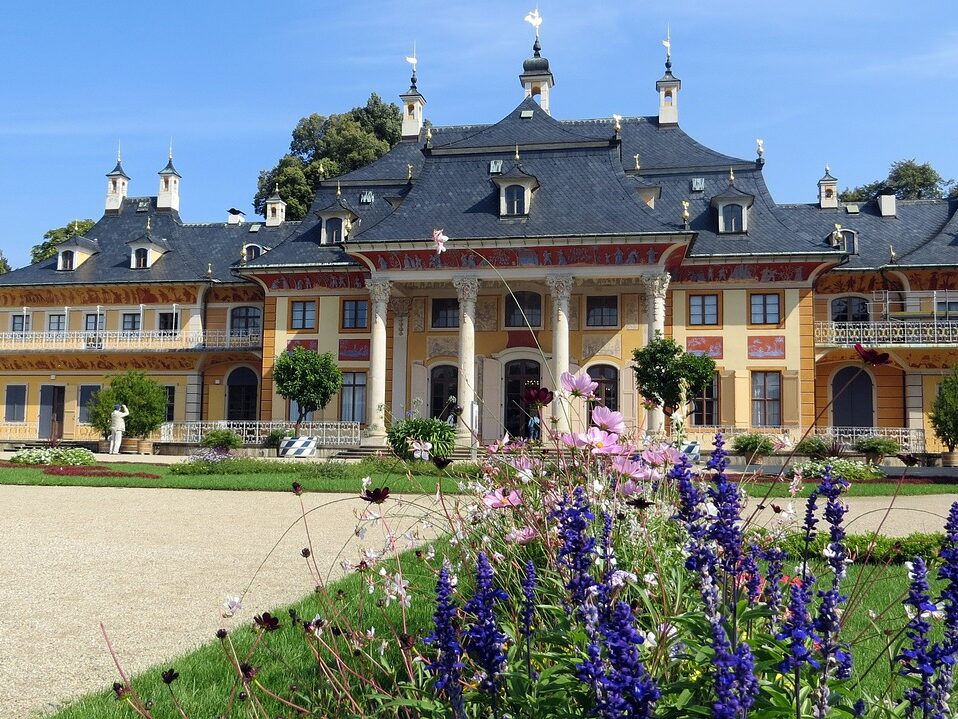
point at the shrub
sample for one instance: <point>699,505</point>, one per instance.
<point>144,398</point>
<point>944,413</point>
<point>213,461</point>
<point>752,445</point>
<point>851,470</point>
<point>813,446</point>
<point>308,378</point>
<point>425,429</point>
<point>222,439</point>
<point>881,446</point>
<point>64,456</point>
<point>870,548</point>
<point>275,438</point>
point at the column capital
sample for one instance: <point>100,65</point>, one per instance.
<point>467,288</point>
<point>657,285</point>
<point>560,286</point>
<point>379,290</point>
<point>400,306</point>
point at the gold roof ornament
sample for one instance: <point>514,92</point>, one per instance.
<point>517,152</point>
<point>409,171</point>
<point>731,175</point>
<point>637,157</point>
<point>339,190</point>
<point>617,119</point>
<point>685,210</point>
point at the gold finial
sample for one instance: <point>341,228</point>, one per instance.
<point>534,19</point>
<point>347,227</point>
<point>731,175</point>
<point>618,123</point>
<point>322,169</point>
<point>408,171</point>
<point>892,255</point>
<point>428,134</point>
<point>147,225</point>
<point>339,190</point>
<point>760,147</point>
<point>209,269</point>
<point>517,152</point>
<point>685,210</point>
<point>667,43</point>
<point>637,157</point>
<point>243,254</point>
<point>76,225</point>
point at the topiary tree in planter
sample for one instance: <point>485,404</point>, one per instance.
<point>944,417</point>
<point>145,399</point>
<point>667,376</point>
<point>308,378</point>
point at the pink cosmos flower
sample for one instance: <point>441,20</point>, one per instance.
<point>577,441</point>
<point>440,239</point>
<point>578,385</point>
<point>628,467</point>
<point>500,500</point>
<point>602,442</point>
<point>521,536</point>
<point>609,420</point>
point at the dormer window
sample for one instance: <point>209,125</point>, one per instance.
<point>732,219</point>
<point>334,230</point>
<point>141,258</point>
<point>515,199</point>
<point>253,251</point>
<point>849,241</point>
<point>66,260</point>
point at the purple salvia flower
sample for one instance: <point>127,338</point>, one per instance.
<point>627,689</point>
<point>578,548</point>
<point>750,573</point>
<point>447,666</point>
<point>483,639</point>
<point>528,599</point>
<point>797,629</point>
<point>948,573</point>
<point>775,559</point>
<point>719,459</point>
<point>725,529</point>
<point>917,659</point>
<point>746,681</point>
<point>831,489</point>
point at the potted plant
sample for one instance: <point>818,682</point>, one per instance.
<point>753,446</point>
<point>876,448</point>
<point>146,401</point>
<point>275,439</point>
<point>944,418</point>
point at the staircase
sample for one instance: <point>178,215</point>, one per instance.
<point>357,454</point>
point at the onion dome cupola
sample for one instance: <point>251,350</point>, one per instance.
<point>168,197</point>
<point>117,185</point>
<point>668,88</point>
<point>412,103</point>
<point>536,78</point>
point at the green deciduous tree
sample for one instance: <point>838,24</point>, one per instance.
<point>327,146</point>
<point>4,264</point>
<point>52,238</point>
<point>910,181</point>
<point>144,398</point>
<point>944,413</point>
<point>667,375</point>
<point>308,378</point>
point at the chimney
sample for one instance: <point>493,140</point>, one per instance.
<point>887,202</point>
<point>235,217</point>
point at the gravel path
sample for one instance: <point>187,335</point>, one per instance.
<point>152,564</point>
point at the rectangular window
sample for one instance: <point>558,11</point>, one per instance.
<point>56,323</point>
<point>131,322</point>
<point>168,321</point>
<point>705,407</point>
<point>355,314</point>
<point>949,308</point>
<point>170,403</point>
<point>93,322</point>
<point>445,313</point>
<point>703,309</point>
<point>765,309</point>
<point>21,323</point>
<point>602,311</point>
<point>303,315</point>
<point>84,397</point>
<point>766,399</point>
<point>353,397</point>
<point>16,403</point>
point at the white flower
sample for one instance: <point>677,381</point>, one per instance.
<point>420,449</point>
<point>651,579</point>
<point>872,614</point>
<point>366,482</point>
<point>620,577</point>
<point>440,241</point>
<point>232,605</point>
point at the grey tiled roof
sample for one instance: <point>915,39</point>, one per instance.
<point>81,243</point>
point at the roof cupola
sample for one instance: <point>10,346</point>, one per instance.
<point>168,198</point>
<point>828,190</point>
<point>275,209</point>
<point>536,78</point>
<point>668,88</point>
<point>413,103</point>
<point>117,183</point>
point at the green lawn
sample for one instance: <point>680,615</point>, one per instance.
<point>857,489</point>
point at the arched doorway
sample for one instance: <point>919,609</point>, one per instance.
<point>853,406</point>
<point>443,384</point>
<point>241,394</point>
<point>520,374</point>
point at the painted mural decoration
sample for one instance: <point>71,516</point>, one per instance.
<point>553,256</point>
<point>766,347</point>
<point>836,283</point>
<point>939,359</point>
<point>220,294</point>
<point>746,272</point>
<point>353,350</point>
<point>713,347</point>
<point>99,363</point>
<point>305,344</point>
<point>314,280</point>
<point>934,280</point>
<point>155,294</point>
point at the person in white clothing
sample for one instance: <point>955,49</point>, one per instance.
<point>117,427</point>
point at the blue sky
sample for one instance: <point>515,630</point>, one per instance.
<point>856,84</point>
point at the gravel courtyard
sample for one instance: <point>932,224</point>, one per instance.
<point>153,565</point>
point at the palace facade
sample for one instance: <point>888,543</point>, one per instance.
<point>572,242</point>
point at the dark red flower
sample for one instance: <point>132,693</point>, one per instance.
<point>776,508</point>
<point>537,396</point>
<point>267,621</point>
<point>872,357</point>
<point>297,488</point>
<point>305,552</point>
<point>441,462</point>
<point>170,675</point>
<point>121,690</point>
<point>376,496</point>
<point>248,671</point>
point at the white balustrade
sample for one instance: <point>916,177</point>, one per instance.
<point>104,341</point>
<point>328,434</point>
<point>892,332</point>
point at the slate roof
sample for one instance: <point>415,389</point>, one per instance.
<point>80,242</point>
<point>191,248</point>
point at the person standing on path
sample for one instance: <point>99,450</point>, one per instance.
<point>117,426</point>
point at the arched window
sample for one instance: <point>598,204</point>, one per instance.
<point>66,260</point>
<point>607,377</point>
<point>668,97</point>
<point>141,257</point>
<point>524,309</point>
<point>241,394</point>
<point>732,218</point>
<point>515,200</point>
<point>253,251</point>
<point>849,309</point>
<point>334,230</point>
<point>850,242</point>
<point>245,321</point>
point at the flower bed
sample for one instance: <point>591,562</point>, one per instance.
<point>94,471</point>
<point>54,455</point>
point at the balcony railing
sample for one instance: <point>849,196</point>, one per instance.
<point>153,340</point>
<point>329,434</point>
<point>897,332</point>
<point>910,440</point>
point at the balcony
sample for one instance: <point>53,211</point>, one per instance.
<point>327,434</point>
<point>896,319</point>
<point>150,341</point>
<point>910,440</point>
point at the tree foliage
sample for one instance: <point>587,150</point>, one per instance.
<point>666,374</point>
<point>944,412</point>
<point>308,378</point>
<point>144,398</point>
<point>327,146</point>
<point>910,181</point>
<point>4,264</point>
<point>52,238</point>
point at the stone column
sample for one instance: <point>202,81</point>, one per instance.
<point>468,289</point>
<point>656,288</point>
<point>376,380</point>
<point>560,286</point>
<point>399,306</point>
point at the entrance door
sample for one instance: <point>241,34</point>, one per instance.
<point>443,384</point>
<point>520,374</point>
<point>853,405</point>
<point>241,393</point>
<point>51,411</point>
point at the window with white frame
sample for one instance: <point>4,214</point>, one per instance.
<point>732,218</point>
<point>131,322</point>
<point>766,399</point>
<point>20,323</point>
<point>245,321</point>
<point>168,321</point>
<point>93,322</point>
<point>67,260</point>
<point>515,198</point>
<point>56,322</point>
<point>445,313</point>
<point>141,258</point>
<point>334,230</point>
